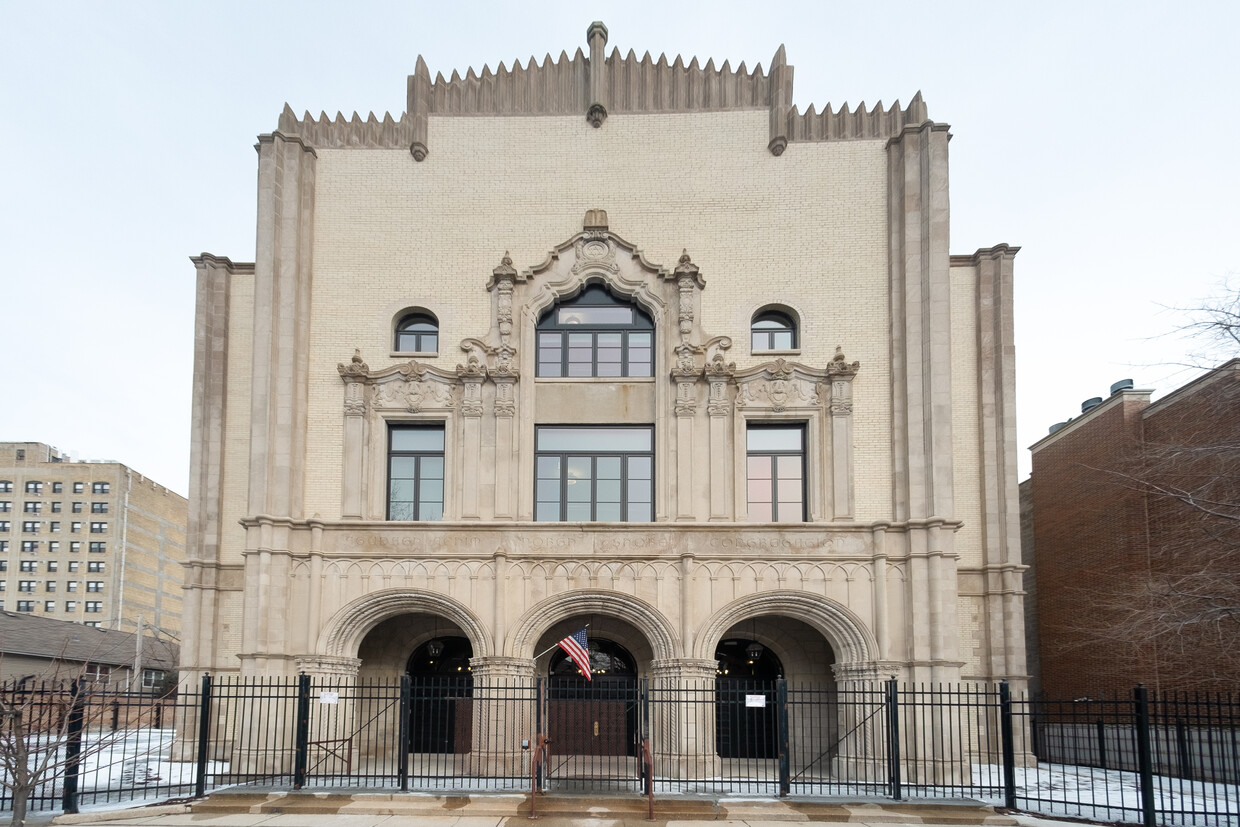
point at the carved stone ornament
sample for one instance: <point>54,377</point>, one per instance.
<point>596,115</point>
<point>503,277</point>
<point>412,387</point>
<point>355,369</point>
<point>839,366</point>
<point>595,249</point>
<point>780,385</point>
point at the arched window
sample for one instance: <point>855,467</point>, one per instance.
<point>595,334</point>
<point>417,332</point>
<point>773,330</point>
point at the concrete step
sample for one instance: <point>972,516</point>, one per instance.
<point>617,807</point>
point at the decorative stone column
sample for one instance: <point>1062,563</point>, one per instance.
<point>718,374</point>
<point>504,714</point>
<point>353,449</point>
<point>472,374</point>
<point>840,374</point>
<point>504,375</point>
<point>596,36</point>
<point>686,376</point>
<point>682,731</point>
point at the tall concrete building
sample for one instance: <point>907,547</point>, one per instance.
<point>608,341</point>
<point>90,542</point>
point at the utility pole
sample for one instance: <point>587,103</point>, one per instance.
<point>135,681</point>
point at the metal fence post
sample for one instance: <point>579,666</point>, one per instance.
<point>1009,745</point>
<point>402,747</point>
<point>204,724</point>
<point>893,737</point>
<point>73,748</point>
<point>1144,760</point>
<point>1102,744</point>
<point>781,721</point>
<point>302,736</point>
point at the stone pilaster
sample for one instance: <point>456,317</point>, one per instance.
<point>472,376</point>
<point>840,374</point>
<point>683,734</point>
<point>686,376</point>
<point>353,450</point>
<point>499,722</point>
<point>719,411</point>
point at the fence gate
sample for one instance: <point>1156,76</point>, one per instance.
<point>594,732</point>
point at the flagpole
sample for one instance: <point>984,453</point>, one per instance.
<point>556,646</point>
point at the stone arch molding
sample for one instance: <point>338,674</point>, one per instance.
<point>848,636</point>
<point>547,613</point>
<point>343,633</point>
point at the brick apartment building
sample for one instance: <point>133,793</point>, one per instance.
<point>1135,541</point>
<point>90,542</point>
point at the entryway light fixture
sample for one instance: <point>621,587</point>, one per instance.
<point>754,650</point>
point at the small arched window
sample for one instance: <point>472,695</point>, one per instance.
<point>773,330</point>
<point>417,332</point>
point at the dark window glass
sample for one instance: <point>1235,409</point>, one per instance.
<point>773,330</point>
<point>418,333</point>
<point>595,334</point>
<point>415,472</point>
<point>594,475</point>
<point>775,473</point>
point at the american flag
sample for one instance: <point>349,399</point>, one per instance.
<point>575,647</point>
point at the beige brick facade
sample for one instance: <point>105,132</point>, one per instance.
<point>700,197</point>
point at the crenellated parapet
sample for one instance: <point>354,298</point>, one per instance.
<point>594,85</point>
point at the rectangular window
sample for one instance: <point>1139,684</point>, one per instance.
<point>77,508</point>
<point>415,472</point>
<point>49,585</point>
<point>32,507</point>
<point>71,586</point>
<point>98,508</point>
<point>25,605</point>
<point>76,528</point>
<point>53,526</point>
<point>4,546</point>
<point>100,488</point>
<point>3,585</point>
<point>49,605</point>
<point>57,487</point>
<point>152,678</point>
<point>98,547</point>
<point>73,565</point>
<point>34,487</point>
<point>74,546</point>
<point>6,487</point>
<point>775,462</point>
<point>5,506</point>
<point>25,585</point>
<point>94,606</point>
<point>56,507</point>
<point>29,565</point>
<point>77,488</point>
<point>31,527</point>
<point>30,546</point>
<point>94,624</point>
<point>93,671</point>
<point>4,525</point>
<point>4,565</point>
<point>98,528</point>
<point>594,475</point>
<point>52,565</point>
<point>53,545</point>
<point>94,585</point>
<point>70,605</point>
<point>95,566</point>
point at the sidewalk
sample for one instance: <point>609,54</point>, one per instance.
<point>318,810</point>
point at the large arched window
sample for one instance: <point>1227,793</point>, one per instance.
<point>595,334</point>
<point>417,332</point>
<point>773,330</point>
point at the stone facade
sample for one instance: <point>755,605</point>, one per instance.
<point>89,542</point>
<point>700,197</point>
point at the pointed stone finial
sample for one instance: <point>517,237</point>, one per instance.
<point>596,29</point>
<point>595,220</point>
<point>596,37</point>
<point>505,268</point>
<point>685,265</point>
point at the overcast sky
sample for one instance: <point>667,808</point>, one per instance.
<point>1099,137</point>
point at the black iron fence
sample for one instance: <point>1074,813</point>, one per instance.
<point>1155,760</point>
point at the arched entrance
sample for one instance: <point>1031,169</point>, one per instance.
<point>596,716</point>
<point>441,684</point>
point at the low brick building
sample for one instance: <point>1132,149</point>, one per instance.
<point>1136,553</point>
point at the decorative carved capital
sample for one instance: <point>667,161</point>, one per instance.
<point>838,366</point>
<point>356,369</point>
<point>505,268</point>
<point>354,407</point>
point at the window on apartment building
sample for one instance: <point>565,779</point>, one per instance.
<point>95,566</point>
<point>25,605</point>
<point>74,547</point>
<point>56,507</point>
<point>57,487</point>
<point>100,487</point>
<point>31,526</point>
<point>32,507</point>
<point>73,565</point>
<point>94,606</point>
<point>75,528</point>
<point>30,546</point>
<point>28,565</point>
<point>98,528</point>
<point>98,508</point>
<point>34,487</point>
<point>6,486</point>
<point>4,525</point>
<point>53,545</point>
<point>417,332</point>
<point>98,547</point>
<point>4,546</point>
<point>26,585</point>
<point>52,565</point>
<point>595,334</point>
<point>4,565</point>
<point>49,585</point>
<point>603,474</point>
<point>78,487</point>
<point>71,585</point>
<point>53,526</point>
<point>773,330</point>
<point>49,606</point>
<point>76,508</point>
<point>3,585</point>
<point>94,585</point>
<point>152,678</point>
<point>6,506</point>
<point>415,472</point>
<point>775,463</point>
<point>70,605</point>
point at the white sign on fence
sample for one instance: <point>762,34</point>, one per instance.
<point>755,700</point>
<point>329,697</point>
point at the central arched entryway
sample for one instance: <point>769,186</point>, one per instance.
<point>745,719</point>
<point>441,686</point>
<point>596,716</point>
